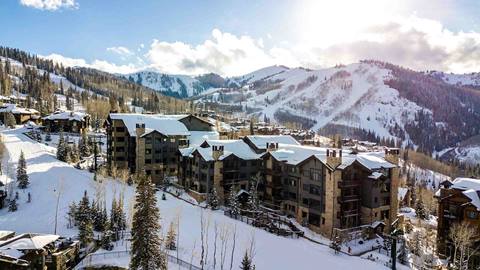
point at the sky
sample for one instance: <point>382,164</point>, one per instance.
<point>239,36</point>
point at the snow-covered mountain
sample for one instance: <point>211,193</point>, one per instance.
<point>468,79</point>
<point>388,100</point>
<point>182,86</point>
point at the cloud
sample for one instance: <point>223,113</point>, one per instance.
<point>49,4</point>
<point>96,64</point>
<point>223,53</point>
<point>120,50</point>
<point>412,42</point>
<point>417,43</point>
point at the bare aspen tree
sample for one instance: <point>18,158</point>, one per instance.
<point>224,244</point>
<point>207,230</point>
<point>215,230</point>
<point>461,235</point>
<point>234,236</point>
<point>202,240</point>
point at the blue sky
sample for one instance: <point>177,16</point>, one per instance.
<point>233,37</point>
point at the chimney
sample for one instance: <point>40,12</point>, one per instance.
<point>272,146</point>
<point>334,157</point>
<point>140,129</point>
<point>217,152</point>
<point>392,154</point>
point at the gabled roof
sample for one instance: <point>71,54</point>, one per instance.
<point>66,115</point>
<point>260,141</point>
<point>470,188</point>
<point>28,242</point>
<point>296,154</point>
<point>13,108</point>
<point>164,124</point>
<point>237,148</point>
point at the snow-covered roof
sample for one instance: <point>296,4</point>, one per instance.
<point>13,108</point>
<point>471,189</point>
<point>165,124</point>
<point>371,160</point>
<point>295,154</point>
<point>222,125</point>
<point>28,242</point>
<point>260,141</point>
<point>66,115</point>
<point>466,183</point>
<point>230,147</point>
<point>198,137</point>
<point>375,175</point>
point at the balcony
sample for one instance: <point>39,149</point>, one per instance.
<point>348,198</point>
<point>349,213</point>
<point>349,184</point>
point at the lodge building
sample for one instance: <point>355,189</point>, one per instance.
<point>150,143</point>
<point>458,201</point>
<point>66,121</point>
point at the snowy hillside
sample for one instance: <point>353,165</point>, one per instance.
<point>469,79</point>
<point>354,96</point>
<point>48,176</point>
<point>388,100</point>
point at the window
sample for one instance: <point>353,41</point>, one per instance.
<point>172,140</point>
<point>323,221</point>
<point>172,170</point>
<point>243,163</point>
<point>120,159</point>
<point>148,140</point>
<point>119,129</point>
<point>120,139</point>
<point>375,200</point>
<point>120,149</point>
<point>472,214</point>
<point>148,172</point>
<point>148,161</point>
<point>158,172</point>
<point>148,151</point>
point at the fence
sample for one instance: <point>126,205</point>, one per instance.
<point>90,259</point>
<point>272,223</point>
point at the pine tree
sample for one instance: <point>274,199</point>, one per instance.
<point>68,149</point>
<point>74,155</point>
<point>85,232</point>
<point>213,200</point>
<point>420,210</point>
<point>22,176</point>
<point>84,213</point>
<point>12,206</point>
<point>61,148</point>
<point>233,202</point>
<point>83,145</point>
<point>170,241</point>
<point>107,237</point>
<point>336,244</point>
<point>252,202</point>
<point>146,243</point>
<point>246,262</point>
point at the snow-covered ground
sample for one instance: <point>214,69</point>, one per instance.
<point>48,177</point>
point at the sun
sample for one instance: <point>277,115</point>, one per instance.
<point>331,22</point>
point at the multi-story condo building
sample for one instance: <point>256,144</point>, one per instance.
<point>150,143</point>
<point>324,189</point>
<point>327,189</point>
<point>458,201</point>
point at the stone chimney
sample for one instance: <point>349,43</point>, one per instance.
<point>334,157</point>
<point>140,129</point>
<point>217,152</point>
<point>272,147</point>
<point>392,154</point>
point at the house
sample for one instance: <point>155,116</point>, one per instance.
<point>38,251</point>
<point>22,115</point>
<point>223,164</point>
<point>66,121</point>
<point>327,190</point>
<point>150,143</point>
<point>458,201</point>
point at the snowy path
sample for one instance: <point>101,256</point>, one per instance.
<point>47,174</point>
